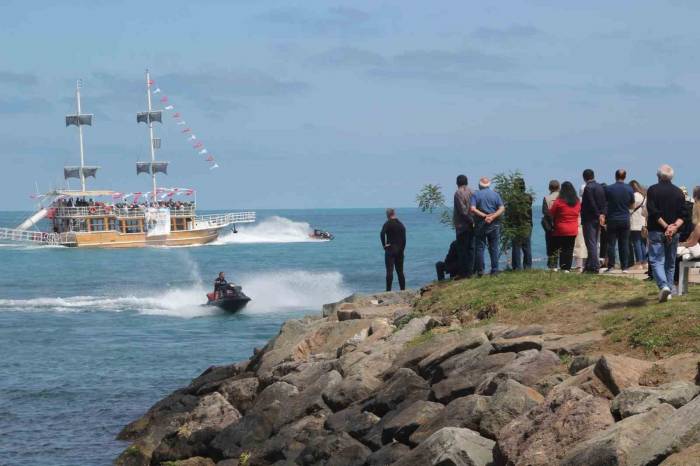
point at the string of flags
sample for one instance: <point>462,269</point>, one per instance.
<point>162,193</point>
<point>191,138</point>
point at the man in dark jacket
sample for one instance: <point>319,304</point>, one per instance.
<point>393,238</point>
<point>620,199</point>
<point>464,228</point>
<point>593,210</point>
<point>666,209</point>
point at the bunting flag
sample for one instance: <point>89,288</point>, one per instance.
<point>161,192</point>
<point>199,146</point>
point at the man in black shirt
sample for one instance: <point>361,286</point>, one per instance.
<point>451,263</point>
<point>593,210</point>
<point>393,237</point>
<point>666,209</point>
<point>463,222</point>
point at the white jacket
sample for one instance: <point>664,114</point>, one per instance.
<point>638,216</point>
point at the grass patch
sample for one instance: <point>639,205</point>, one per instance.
<point>625,308</point>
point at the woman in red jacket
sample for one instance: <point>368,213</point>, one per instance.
<point>565,212</point>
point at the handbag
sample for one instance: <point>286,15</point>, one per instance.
<point>645,231</point>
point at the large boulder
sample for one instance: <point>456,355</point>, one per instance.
<point>637,400</point>
<point>337,449</point>
<point>212,377</point>
<point>678,431</point>
<point>240,392</point>
<point>510,400</point>
<point>543,435</point>
<point>352,420</point>
<point>451,446</point>
<point>409,419</point>
<point>588,381</point>
<point>290,441</point>
<point>515,345</point>
<point>614,445</point>
<point>618,372</point>
<point>465,378</point>
<point>684,457</point>
<point>404,385</point>
<point>462,342</point>
<point>211,415</point>
<point>531,366</point>
<point>572,345</point>
<point>466,411</point>
<point>353,388</point>
<point>388,454</point>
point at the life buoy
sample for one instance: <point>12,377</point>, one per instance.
<point>51,214</point>
<point>108,209</point>
<point>92,210</point>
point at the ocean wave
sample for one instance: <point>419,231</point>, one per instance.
<point>271,292</point>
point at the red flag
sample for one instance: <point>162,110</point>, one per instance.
<point>176,115</point>
<point>164,99</point>
<point>198,145</point>
<point>150,82</point>
<point>210,159</point>
<point>186,130</point>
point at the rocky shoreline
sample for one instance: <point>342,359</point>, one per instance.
<point>370,382</point>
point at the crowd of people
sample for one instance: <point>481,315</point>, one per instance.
<point>85,202</point>
<point>595,229</point>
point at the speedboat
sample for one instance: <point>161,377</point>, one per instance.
<point>321,235</point>
<point>231,299</point>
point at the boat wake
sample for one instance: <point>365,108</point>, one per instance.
<point>271,292</point>
<point>271,230</point>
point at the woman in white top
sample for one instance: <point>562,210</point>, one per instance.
<point>580,251</point>
<point>638,221</point>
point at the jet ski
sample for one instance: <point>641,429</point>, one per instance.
<point>321,235</point>
<point>231,299</point>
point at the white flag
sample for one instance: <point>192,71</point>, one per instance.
<point>182,123</point>
<point>192,138</point>
<point>216,165</point>
<point>203,151</point>
<point>169,107</point>
<point>157,91</point>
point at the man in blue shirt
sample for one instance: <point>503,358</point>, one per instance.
<point>487,208</point>
<point>620,198</point>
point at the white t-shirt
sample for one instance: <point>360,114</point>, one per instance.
<point>638,216</point>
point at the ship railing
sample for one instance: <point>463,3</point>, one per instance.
<point>121,212</point>
<point>222,220</point>
<point>27,236</point>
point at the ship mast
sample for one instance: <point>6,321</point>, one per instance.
<point>150,131</point>
<point>149,117</point>
<point>79,119</point>
<point>80,136</point>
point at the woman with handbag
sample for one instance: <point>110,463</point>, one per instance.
<point>638,233</point>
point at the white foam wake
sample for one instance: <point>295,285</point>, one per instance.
<point>271,230</point>
<point>271,292</point>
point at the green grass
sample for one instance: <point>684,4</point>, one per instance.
<point>625,308</point>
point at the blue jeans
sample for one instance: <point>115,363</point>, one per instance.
<point>522,248</point>
<point>639,246</point>
<point>591,229</point>
<point>662,258</point>
<point>487,234</point>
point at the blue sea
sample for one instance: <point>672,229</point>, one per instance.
<point>90,339</point>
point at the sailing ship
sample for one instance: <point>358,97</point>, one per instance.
<point>102,218</point>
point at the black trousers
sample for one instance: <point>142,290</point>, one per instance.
<point>551,252</point>
<point>618,232</point>
<point>466,256</point>
<point>394,260</point>
<point>591,229</point>
<point>564,247</point>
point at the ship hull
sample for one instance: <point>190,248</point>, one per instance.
<point>113,239</point>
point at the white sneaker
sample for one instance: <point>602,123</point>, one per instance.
<point>664,294</point>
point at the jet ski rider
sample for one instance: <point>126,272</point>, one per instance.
<point>220,285</point>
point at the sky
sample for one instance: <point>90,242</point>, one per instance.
<point>319,104</point>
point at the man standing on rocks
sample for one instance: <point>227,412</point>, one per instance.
<point>393,237</point>
<point>463,222</point>
<point>620,199</point>
<point>487,208</point>
<point>593,210</point>
<point>666,210</point>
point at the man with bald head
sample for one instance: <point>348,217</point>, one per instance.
<point>666,209</point>
<point>487,208</point>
